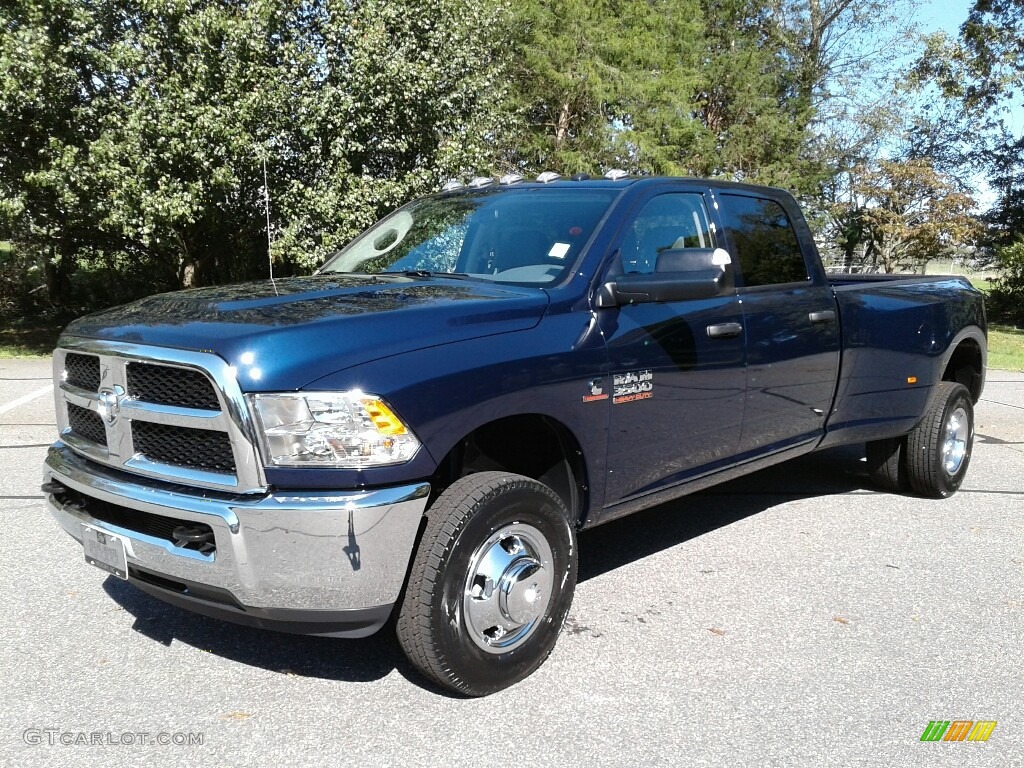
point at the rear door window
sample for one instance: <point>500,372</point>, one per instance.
<point>765,242</point>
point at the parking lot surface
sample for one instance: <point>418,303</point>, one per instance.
<point>797,617</point>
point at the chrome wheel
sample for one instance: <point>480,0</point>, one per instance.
<point>938,449</point>
<point>491,583</point>
<point>957,433</point>
<point>508,587</point>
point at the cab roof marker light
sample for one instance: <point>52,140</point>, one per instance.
<point>452,185</point>
<point>480,181</point>
<point>547,176</point>
<point>615,174</point>
<point>511,178</point>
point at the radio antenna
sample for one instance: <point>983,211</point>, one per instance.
<point>266,208</point>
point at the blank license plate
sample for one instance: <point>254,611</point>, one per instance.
<point>105,551</point>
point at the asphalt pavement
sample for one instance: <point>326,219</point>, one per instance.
<point>797,617</point>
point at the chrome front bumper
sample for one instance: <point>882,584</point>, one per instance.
<point>330,563</point>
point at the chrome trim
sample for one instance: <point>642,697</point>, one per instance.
<point>199,477</point>
<point>88,449</point>
<point>956,441</point>
<point>171,414</point>
<point>234,418</point>
<point>319,551</point>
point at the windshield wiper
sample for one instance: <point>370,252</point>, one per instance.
<point>424,273</point>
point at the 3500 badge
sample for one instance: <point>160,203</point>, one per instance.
<point>632,385</point>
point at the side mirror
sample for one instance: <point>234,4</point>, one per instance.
<point>680,274</point>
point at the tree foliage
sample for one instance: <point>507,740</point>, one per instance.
<point>983,68</point>
<point>1006,300</point>
<point>135,131</point>
<point>909,213</point>
<point>901,194</point>
<point>603,83</point>
<point>698,87</point>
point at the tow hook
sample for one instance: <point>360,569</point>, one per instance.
<point>199,538</point>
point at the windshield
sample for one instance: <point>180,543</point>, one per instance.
<point>526,235</point>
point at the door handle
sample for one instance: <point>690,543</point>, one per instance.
<point>826,316</point>
<point>724,330</point>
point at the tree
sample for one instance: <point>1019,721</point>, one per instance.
<point>907,147</point>
<point>691,87</point>
<point>984,69</point>
<point>909,213</point>
<point>603,83</point>
<point>755,122</point>
<point>135,131</point>
<point>1006,300</point>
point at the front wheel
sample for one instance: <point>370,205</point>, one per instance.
<point>939,448</point>
<point>491,583</point>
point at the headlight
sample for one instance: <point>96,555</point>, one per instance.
<point>331,429</point>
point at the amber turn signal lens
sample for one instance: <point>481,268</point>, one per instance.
<point>383,419</point>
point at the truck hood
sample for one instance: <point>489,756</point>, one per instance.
<point>284,334</point>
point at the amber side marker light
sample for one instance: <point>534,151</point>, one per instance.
<point>911,379</point>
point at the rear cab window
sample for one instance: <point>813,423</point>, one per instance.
<point>765,243</point>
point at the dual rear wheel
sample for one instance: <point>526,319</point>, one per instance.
<point>932,460</point>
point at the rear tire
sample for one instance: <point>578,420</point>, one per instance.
<point>490,585</point>
<point>886,464</point>
<point>939,448</point>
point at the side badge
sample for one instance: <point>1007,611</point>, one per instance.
<point>632,386</point>
<point>596,391</point>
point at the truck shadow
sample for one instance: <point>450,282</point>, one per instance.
<point>602,549</point>
<point>358,661</point>
<point>614,544</point>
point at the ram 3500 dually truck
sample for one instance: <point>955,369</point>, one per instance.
<point>422,427</point>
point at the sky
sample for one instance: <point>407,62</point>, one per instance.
<point>945,15</point>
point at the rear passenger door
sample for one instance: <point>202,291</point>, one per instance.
<point>790,323</point>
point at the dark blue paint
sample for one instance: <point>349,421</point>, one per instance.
<point>451,355</point>
<point>298,330</point>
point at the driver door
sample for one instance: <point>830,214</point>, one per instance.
<point>677,379</point>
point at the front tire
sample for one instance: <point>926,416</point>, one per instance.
<point>490,585</point>
<point>939,448</point>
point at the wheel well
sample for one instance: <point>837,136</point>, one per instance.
<point>532,445</point>
<point>965,367</point>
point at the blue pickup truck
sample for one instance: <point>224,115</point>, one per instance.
<point>418,431</point>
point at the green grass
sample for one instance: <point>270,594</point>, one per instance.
<point>1005,343</point>
<point>24,340</point>
<point>1005,348</point>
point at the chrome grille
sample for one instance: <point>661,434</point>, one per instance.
<point>87,424</point>
<point>163,413</point>
<point>167,385</point>
<point>83,371</point>
<point>183,446</point>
